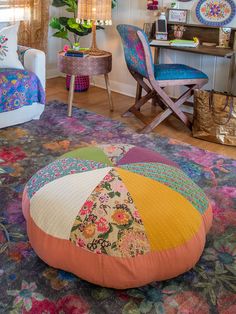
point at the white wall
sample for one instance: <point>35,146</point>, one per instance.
<point>129,12</point>
<point>54,45</point>
<point>134,12</point>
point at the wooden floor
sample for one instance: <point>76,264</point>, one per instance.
<point>95,99</point>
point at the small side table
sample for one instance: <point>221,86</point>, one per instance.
<point>90,66</point>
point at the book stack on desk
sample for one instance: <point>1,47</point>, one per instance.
<point>184,43</point>
<point>77,53</point>
<point>176,43</point>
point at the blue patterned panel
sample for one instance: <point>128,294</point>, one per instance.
<point>177,72</point>
<point>133,49</point>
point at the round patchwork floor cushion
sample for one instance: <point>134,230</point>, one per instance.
<point>116,215</point>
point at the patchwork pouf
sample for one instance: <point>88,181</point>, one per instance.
<point>116,215</point>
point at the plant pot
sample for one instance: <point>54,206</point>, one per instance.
<point>81,83</point>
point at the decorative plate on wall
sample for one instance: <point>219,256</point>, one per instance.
<point>215,12</point>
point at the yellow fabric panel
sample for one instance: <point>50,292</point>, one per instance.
<point>169,219</point>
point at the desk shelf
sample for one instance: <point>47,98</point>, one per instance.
<point>212,51</point>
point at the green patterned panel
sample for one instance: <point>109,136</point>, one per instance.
<point>89,153</point>
<point>175,179</point>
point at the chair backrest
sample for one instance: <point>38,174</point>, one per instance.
<point>135,55</point>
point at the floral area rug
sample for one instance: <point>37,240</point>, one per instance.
<point>28,285</point>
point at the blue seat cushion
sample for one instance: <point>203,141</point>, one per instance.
<point>177,72</point>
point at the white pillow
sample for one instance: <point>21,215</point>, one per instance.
<point>8,50</point>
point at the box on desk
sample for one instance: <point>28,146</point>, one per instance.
<point>161,36</point>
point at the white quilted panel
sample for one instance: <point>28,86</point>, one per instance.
<point>55,206</point>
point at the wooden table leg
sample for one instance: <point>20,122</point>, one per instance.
<point>109,92</point>
<point>231,73</point>
<point>71,95</point>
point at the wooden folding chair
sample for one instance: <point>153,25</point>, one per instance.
<point>139,61</point>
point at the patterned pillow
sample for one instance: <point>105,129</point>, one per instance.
<point>119,216</point>
<point>8,48</point>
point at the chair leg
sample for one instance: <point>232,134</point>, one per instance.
<point>138,92</point>
<point>136,107</point>
<point>156,121</point>
<point>143,100</point>
<point>174,106</point>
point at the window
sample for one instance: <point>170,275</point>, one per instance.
<point>9,13</point>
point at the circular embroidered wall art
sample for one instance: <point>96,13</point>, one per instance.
<point>215,12</point>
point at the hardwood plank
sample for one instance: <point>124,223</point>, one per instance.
<point>96,100</point>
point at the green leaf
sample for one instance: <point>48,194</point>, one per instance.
<point>219,268</point>
<point>71,10</point>
<point>146,306</point>
<point>58,3</point>
<point>61,34</point>
<point>74,228</point>
<point>113,246</point>
<point>107,186</point>
<point>212,296</point>
<point>111,194</point>
<point>113,4</point>
<point>73,24</point>
<point>202,285</point>
<point>2,170</point>
<point>130,308</point>
<point>16,235</point>
<point>87,25</point>
<point>55,23</point>
<point>63,20</point>
<point>232,269</point>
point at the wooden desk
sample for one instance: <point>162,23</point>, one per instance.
<point>204,34</point>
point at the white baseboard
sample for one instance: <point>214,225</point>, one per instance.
<point>51,73</point>
<point>125,89</point>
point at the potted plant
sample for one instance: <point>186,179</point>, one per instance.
<point>68,29</point>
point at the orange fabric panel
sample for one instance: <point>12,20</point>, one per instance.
<point>169,219</point>
<point>207,218</point>
<point>25,204</point>
<point>113,272</point>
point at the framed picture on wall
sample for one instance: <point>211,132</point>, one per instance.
<point>177,16</point>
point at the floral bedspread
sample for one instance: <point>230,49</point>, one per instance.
<point>19,88</point>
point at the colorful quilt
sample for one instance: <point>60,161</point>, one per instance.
<point>19,88</point>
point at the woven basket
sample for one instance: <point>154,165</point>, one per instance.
<point>81,83</point>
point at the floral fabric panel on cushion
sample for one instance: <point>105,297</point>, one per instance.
<point>109,222</point>
<point>19,88</point>
<point>133,49</point>
<point>115,152</point>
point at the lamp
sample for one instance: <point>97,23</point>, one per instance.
<point>99,13</point>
